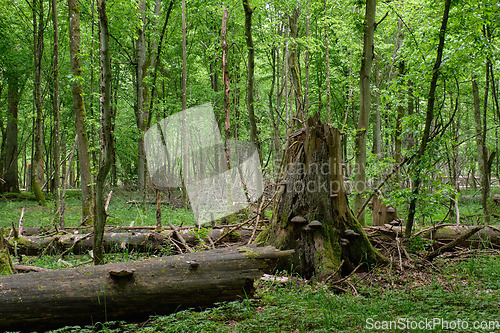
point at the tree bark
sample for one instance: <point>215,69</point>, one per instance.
<point>327,68</point>
<point>131,290</point>
<point>142,113</point>
<point>9,176</point>
<point>55,104</point>
<point>106,134</point>
<point>37,176</point>
<point>225,79</point>
<point>311,209</point>
<point>429,117</point>
<point>80,114</point>
<point>254,137</point>
<point>364,112</point>
<point>480,144</point>
<point>144,241</point>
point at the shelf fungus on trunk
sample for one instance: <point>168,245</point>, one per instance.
<point>312,214</point>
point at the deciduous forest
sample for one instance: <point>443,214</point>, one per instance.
<point>249,165</point>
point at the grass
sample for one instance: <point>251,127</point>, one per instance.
<point>124,208</point>
<point>466,290</point>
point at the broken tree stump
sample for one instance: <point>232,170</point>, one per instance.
<point>311,209</point>
<point>131,290</point>
<point>381,213</point>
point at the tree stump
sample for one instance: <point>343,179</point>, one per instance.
<point>311,210</point>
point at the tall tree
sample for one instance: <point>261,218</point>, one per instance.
<point>55,103</point>
<point>79,110</point>
<point>9,177</point>
<point>364,112</point>
<point>250,77</point>
<point>106,136</point>
<point>142,112</point>
<point>429,118</point>
<point>37,177</point>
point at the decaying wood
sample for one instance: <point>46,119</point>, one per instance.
<point>382,214</point>
<point>131,289</point>
<point>136,240</point>
<point>311,209</point>
<point>466,235</point>
<point>486,236</point>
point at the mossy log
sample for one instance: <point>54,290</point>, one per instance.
<point>489,236</point>
<point>139,241</point>
<point>5,261</point>
<point>131,290</point>
<point>312,213</point>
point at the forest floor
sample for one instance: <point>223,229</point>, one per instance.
<point>458,291</point>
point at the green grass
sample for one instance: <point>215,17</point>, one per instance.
<point>124,208</point>
<point>464,290</point>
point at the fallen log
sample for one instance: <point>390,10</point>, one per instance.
<point>149,241</point>
<point>131,290</point>
<point>488,236</point>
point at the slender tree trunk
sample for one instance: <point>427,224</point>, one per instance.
<point>364,112</point>
<point>428,122</point>
<point>399,130</point>
<point>250,77</point>
<point>37,177</point>
<point>142,113</point>
<point>225,78</point>
<point>55,101</point>
<point>485,174</point>
<point>293,63</point>
<point>306,64</point>
<point>80,114</point>
<point>106,136</point>
<point>327,69</point>
<point>9,176</point>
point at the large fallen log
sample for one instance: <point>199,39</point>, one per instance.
<point>489,236</point>
<point>133,289</point>
<point>139,241</point>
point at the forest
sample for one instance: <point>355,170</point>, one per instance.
<point>312,155</point>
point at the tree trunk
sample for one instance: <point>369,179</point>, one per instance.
<point>106,137</point>
<point>225,80</point>
<point>55,103</point>
<point>138,240</point>
<point>37,177</point>
<point>80,114</point>
<point>480,144</point>
<point>364,112</point>
<point>327,67</point>
<point>311,209</point>
<point>142,112</point>
<point>429,117</point>
<point>131,290</point>
<point>254,137</point>
<point>9,176</point>
<point>485,174</point>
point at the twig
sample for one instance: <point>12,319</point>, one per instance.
<point>179,236</point>
<point>25,268</point>
<point>20,228</point>
<point>259,211</point>
<point>336,271</point>
<point>348,276</point>
<point>108,199</point>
